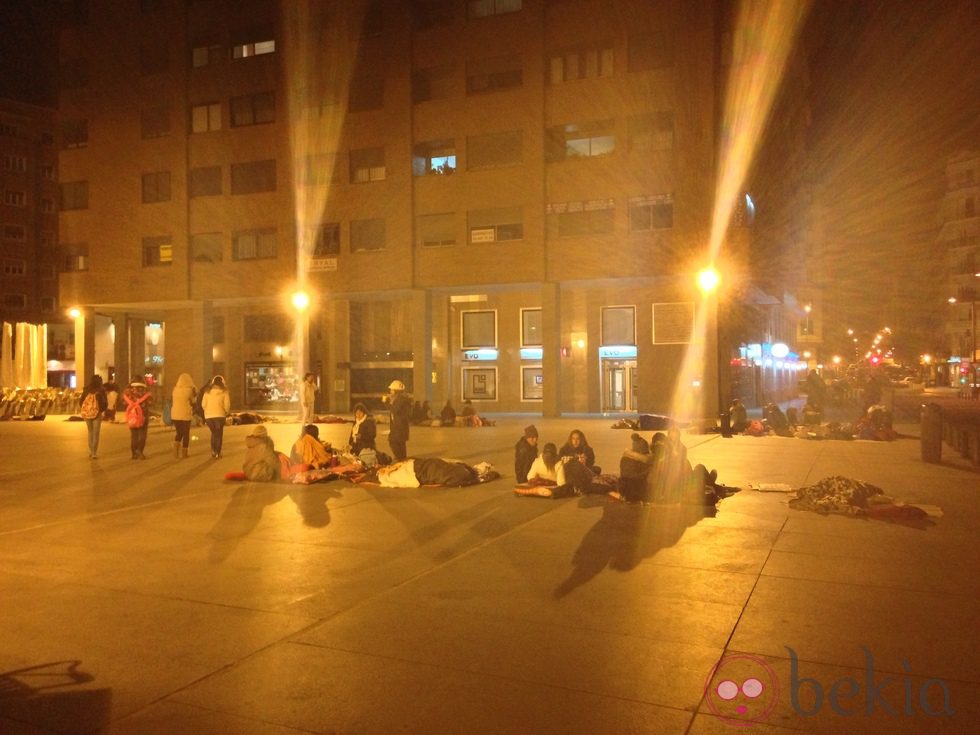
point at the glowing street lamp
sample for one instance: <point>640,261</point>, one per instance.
<point>708,280</point>
<point>300,300</point>
<point>74,312</point>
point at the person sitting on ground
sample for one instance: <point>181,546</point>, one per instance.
<point>448,415</point>
<point>426,413</point>
<point>469,414</point>
<point>261,461</point>
<point>634,467</point>
<point>416,415</point>
<point>525,452</point>
<point>577,443</point>
<point>546,469</point>
<point>738,416</point>
<point>776,420</point>
<point>309,450</point>
<point>364,432</point>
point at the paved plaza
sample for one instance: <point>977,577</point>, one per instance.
<point>153,597</point>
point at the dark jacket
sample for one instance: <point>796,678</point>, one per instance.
<point>401,414</point>
<point>448,415</point>
<point>365,437</point>
<point>569,451</point>
<point>524,456</point>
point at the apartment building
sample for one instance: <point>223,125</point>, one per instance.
<point>503,201</point>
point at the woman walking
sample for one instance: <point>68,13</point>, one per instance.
<point>181,413</point>
<point>94,404</point>
<point>138,400</point>
<point>216,404</point>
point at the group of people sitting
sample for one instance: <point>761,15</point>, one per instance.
<point>658,471</point>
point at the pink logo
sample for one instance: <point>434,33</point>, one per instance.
<point>742,690</point>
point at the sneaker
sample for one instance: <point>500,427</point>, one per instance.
<point>538,491</point>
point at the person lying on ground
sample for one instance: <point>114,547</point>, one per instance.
<point>427,471</point>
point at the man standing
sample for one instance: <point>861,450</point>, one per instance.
<point>307,399</point>
<point>401,412</point>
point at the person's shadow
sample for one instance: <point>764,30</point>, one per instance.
<point>626,535</point>
<point>52,696</point>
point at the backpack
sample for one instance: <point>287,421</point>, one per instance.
<point>135,418</point>
<point>90,407</point>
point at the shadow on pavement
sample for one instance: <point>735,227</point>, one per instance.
<point>626,535</point>
<point>28,696</point>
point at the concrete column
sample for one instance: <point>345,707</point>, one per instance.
<point>234,369</point>
<point>120,349</point>
<point>422,346</point>
<point>137,348</point>
<point>336,363</point>
<point>84,347</point>
<point>551,342</point>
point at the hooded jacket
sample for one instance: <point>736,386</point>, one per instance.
<point>183,397</point>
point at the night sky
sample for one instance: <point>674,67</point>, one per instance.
<point>895,91</point>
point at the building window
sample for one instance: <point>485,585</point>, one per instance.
<point>436,230</point>
<point>478,329</point>
<point>651,132</point>
<point>434,157</point>
<point>74,195</point>
<point>532,383</point>
<point>17,164</point>
<point>431,13</point>
<point>17,233</point>
<point>206,56</point>
<point>253,177</point>
<point>47,271</point>
<point>15,301</point>
<point>648,51</point>
<point>45,239</point>
<point>15,198</point>
<point>436,83</point>
<point>325,239</point>
<point>155,121</point>
<point>47,172</point>
<point>154,60</point>
<point>580,219</point>
<point>253,109</point>
<point>494,150</point>
<point>76,258</point>
<point>319,100</point>
<point>496,225</point>
<point>366,93</point>
<point>317,169</point>
<point>367,164</point>
<point>14,267</point>
<point>651,213</point>
<point>531,330</point>
<point>565,65</point>
<point>47,304</point>
<point>494,74</point>
<point>256,48</point>
<point>157,251</point>
<point>204,181</point>
<point>486,8</point>
<point>205,118</point>
<point>73,74</point>
<point>156,187</point>
<point>47,205</point>
<point>367,234</point>
<point>479,383</point>
<point>618,325</point>
<point>206,247</point>
<point>254,244</point>
<point>580,140</point>
<point>74,133</point>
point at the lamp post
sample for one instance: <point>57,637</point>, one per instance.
<point>708,281</point>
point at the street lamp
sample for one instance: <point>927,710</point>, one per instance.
<point>708,281</point>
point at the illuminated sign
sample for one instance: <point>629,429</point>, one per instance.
<point>779,350</point>
<point>481,355</point>
<point>618,351</point>
<point>531,353</point>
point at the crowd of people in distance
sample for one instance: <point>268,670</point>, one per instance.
<point>658,471</point>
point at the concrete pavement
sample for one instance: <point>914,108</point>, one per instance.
<point>154,597</point>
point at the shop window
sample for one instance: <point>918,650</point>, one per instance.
<point>589,62</point>
<point>494,150</point>
<point>479,383</point>
<point>253,109</point>
<point>649,51</point>
<point>494,74</point>
<point>434,158</point>
<point>205,118</point>
<point>531,332</point>
<point>435,83</point>
<point>207,247</point>
<point>156,187</point>
<point>254,244</point>
<point>651,132</point>
<point>271,385</point>
<point>532,383</point>
<point>155,121</point>
<point>580,140</point>
<point>618,325</point>
<point>367,164</point>
<point>253,177</point>
<point>478,329</point>
<point>651,213</point>
<point>367,234</point>
<point>436,230</point>
<point>157,251</point>
<point>74,133</point>
<point>204,181</point>
<point>496,225</point>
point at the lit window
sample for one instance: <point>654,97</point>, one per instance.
<point>258,48</point>
<point>435,157</point>
<point>157,251</point>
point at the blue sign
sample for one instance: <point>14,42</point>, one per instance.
<point>531,353</point>
<point>622,352</point>
<point>484,354</point>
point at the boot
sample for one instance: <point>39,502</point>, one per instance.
<point>176,450</point>
<point>183,452</point>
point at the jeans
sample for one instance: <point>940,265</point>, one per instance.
<point>182,432</point>
<point>217,427</point>
<point>93,426</point>
<point>137,439</point>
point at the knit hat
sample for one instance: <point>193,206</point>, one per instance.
<point>640,445</point>
<point>530,431</point>
<point>259,430</point>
